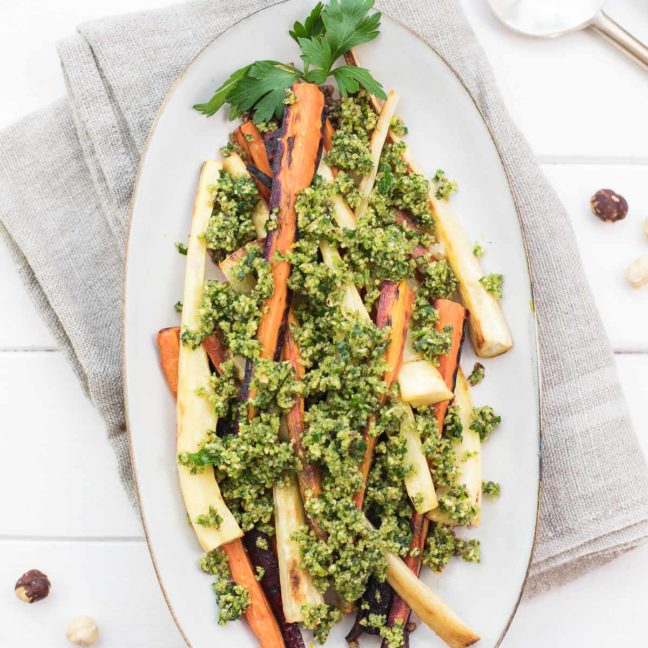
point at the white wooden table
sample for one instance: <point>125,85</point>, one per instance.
<point>581,105</point>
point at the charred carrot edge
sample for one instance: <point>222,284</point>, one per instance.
<point>298,148</point>
<point>395,310</point>
<point>168,341</point>
<point>309,476</point>
<point>450,314</point>
<point>399,611</point>
<point>259,614</point>
<point>251,142</point>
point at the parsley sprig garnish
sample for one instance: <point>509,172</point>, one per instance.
<point>326,35</point>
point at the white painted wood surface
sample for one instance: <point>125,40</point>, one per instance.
<point>582,107</point>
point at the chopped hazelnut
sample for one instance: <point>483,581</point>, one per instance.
<point>609,206</point>
<point>32,586</point>
<point>82,631</point>
<point>636,273</point>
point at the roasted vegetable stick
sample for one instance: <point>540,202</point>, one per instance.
<point>258,614</point>
<point>421,384</point>
<point>168,341</point>
<point>399,611</point>
<point>394,310</point>
<point>228,266</point>
<point>309,476</point>
<point>419,481</point>
<point>299,143</point>
<point>430,608</point>
<point>169,348</point>
<point>468,454</point>
<point>378,138</point>
<point>454,315</point>
<point>195,414</point>
<point>297,588</point>
<point>259,548</point>
<point>489,331</point>
<point>251,143</point>
<point>235,166</point>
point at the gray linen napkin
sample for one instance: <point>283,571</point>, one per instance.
<point>66,177</point>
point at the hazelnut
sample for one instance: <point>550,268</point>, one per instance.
<point>609,206</point>
<point>636,273</point>
<point>82,631</point>
<point>32,586</point>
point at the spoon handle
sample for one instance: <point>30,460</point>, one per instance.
<point>613,32</point>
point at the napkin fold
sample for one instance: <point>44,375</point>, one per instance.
<point>66,179</point>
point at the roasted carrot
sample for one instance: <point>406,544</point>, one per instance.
<point>251,142</point>
<point>262,553</point>
<point>298,144</point>
<point>394,310</point>
<point>454,315</point>
<point>450,314</point>
<point>309,476</point>
<point>399,611</point>
<point>168,341</point>
<point>259,614</point>
<point>329,131</point>
<point>215,350</point>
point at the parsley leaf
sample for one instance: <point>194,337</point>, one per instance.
<point>263,87</point>
<point>328,32</point>
<point>313,25</point>
<point>349,79</point>
<point>221,95</point>
<point>347,24</point>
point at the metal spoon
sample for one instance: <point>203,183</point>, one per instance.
<point>549,18</point>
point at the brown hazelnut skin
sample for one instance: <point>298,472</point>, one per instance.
<point>32,586</point>
<point>609,206</point>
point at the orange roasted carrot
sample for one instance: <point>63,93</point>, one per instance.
<point>329,131</point>
<point>259,614</point>
<point>309,476</point>
<point>251,142</point>
<point>168,341</point>
<point>454,315</point>
<point>215,350</point>
<point>394,310</point>
<point>298,146</point>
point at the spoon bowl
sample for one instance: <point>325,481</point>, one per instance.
<point>551,18</point>
<point>546,18</point>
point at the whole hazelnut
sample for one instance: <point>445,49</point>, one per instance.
<point>636,273</point>
<point>82,631</point>
<point>609,206</point>
<point>32,586</point>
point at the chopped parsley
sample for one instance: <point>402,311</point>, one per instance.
<point>477,374</point>
<point>478,250</point>
<point>491,488</point>
<point>182,248</point>
<point>484,421</point>
<point>444,186</point>
<point>493,283</point>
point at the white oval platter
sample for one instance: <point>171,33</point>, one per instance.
<point>446,131</point>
